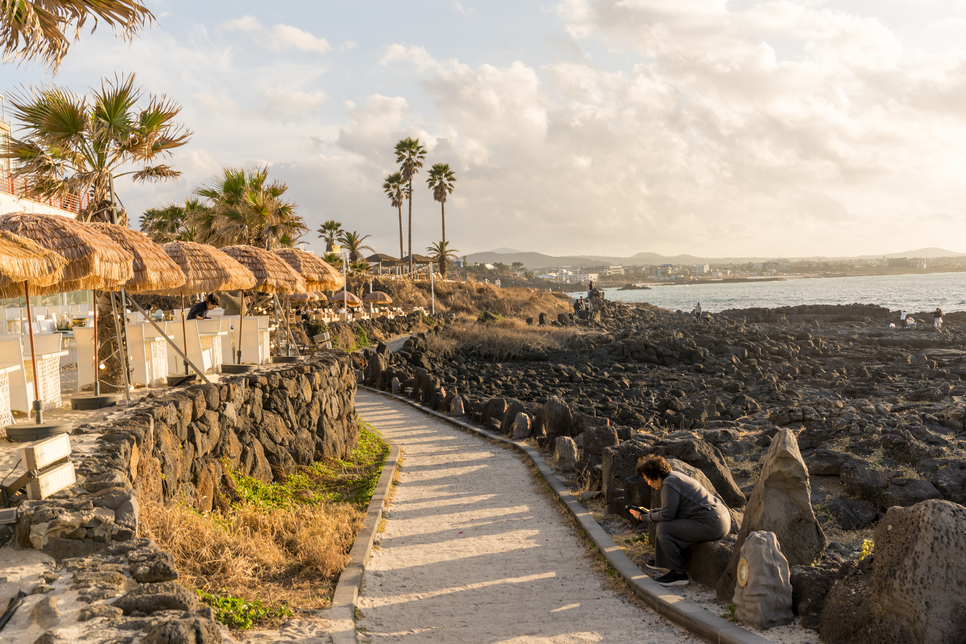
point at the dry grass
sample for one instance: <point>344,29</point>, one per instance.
<point>505,339</point>
<point>472,297</point>
<point>291,556</point>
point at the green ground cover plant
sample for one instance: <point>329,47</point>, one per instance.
<point>273,548</point>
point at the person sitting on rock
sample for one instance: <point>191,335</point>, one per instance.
<point>910,321</point>
<point>688,515</point>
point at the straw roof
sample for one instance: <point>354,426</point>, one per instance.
<point>93,260</point>
<point>207,269</point>
<point>382,258</point>
<point>24,260</point>
<point>318,274</point>
<point>350,298</point>
<point>271,273</point>
<point>417,259</point>
<point>153,269</point>
<point>309,297</point>
<point>378,297</point>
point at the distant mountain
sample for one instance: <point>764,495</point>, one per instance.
<point>924,253</point>
<point>538,260</point>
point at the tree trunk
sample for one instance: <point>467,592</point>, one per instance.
<point>402,253</point>
<point>442,207</point>
<point>410,227</point>
<point>111,377</point>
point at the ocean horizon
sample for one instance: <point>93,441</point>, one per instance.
<point>912,293</point>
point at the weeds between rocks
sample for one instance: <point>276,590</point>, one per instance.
<point>281,546</point>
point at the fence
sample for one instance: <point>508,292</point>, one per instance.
<point>20,187</point>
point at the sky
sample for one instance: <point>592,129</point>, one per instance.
<point>784,129</point>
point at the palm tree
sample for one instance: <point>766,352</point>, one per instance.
<point>329,231</point>
<point>243,207</point>
<point>441,253</point>
<point>396,189</point>
<point>77,146</point>
<point>171,223</point>
<point>353,243</point>
<point>410,155</point>
<point>441,180</point>
<point>35,29</point>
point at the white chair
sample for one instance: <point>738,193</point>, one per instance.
<point>44,343</point>
<point>86,369</point>
<point>230,324</point>
<point>21,392</point>
<point>213,344</point>
<point>140,368</point>
<point>202,358</point>
<point>251,344</point>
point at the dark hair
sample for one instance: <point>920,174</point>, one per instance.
<point>653,467</point>
<point>213,299</point>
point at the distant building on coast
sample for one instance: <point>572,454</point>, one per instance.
<point>906,262</point>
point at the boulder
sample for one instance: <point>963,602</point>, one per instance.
<point>913,589</point>
<point>514,407</point>
<point>779,503</point>
<point>599,437</point>
<point>565,454</point>
<point>557,418</point>
<point>862,480</point>
<point>521,426</point>
<point>906,492</point>
<point>617,465</point>
<point>708,459</point>
<point>852,514</point>
<point>710,559</point>
<point>763,596</point>
<point>810,585</point>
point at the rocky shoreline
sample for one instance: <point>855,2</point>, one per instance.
<point>874,415</point>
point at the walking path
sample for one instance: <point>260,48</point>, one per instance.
<point>472,552</point>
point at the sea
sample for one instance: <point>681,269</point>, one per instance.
<point>912,293</point>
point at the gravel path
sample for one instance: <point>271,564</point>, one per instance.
<point>472,552</point>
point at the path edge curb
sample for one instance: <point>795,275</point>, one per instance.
<point>346,592</point>
<point>693,618</point>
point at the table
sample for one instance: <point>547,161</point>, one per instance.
<point>212,340</point>
<point>6,417</point>
<point>48,364</point>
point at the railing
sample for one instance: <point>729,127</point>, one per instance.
<point>20,187</point>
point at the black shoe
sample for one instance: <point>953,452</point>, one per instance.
<point>652,563</point>
<point>674,579</point>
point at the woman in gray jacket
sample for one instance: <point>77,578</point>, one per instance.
<point>688,515</point>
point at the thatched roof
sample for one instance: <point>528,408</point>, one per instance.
<point>153,269</point>
<point>24,260</point>
<point>382,258</point>
<point>378,297</point>
<point>350,298</point>
<point>309,297</point>
<point>207,269</point>
<point>318,274</point>
<point>272,273</point>
<point>417,259</point>
<point>94,262</point>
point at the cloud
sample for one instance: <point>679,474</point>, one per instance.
<point>278,37</point>
<point>418,57</point>
<point>463,10</point>
<point>281,100</point>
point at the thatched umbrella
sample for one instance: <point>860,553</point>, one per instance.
<point>154,270</point>
<point>350,299</point>
<point>378,297</point>
<point>94,262</point>
<point>319,275</point>
<point>383,258</point>
<point>272,274</point>
<point>29,264</point>
<point>206,270</point>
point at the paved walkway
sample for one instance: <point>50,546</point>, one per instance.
<point>472,552</point>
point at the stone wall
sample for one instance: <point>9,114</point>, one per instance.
<point>171,447</point>
<point>174,446</point>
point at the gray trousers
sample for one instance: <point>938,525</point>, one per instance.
<point>677,535</point>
